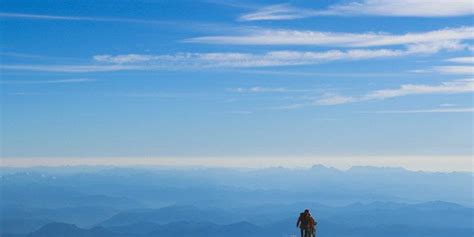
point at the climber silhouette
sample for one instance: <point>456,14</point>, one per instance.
<point>307,224</point>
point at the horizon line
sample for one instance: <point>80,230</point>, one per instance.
<point>410,163</point>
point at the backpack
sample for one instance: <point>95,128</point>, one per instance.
<point>304,221</point>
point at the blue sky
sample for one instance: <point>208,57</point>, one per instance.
<point>230,79</point>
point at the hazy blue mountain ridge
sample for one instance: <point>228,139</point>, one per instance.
<point>142,202</point>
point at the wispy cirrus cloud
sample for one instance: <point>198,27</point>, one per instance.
<point>148,62</point>
<point>399,8</point>
<point>258,89</point>
<point>193,26</point>
<point>342,39</point>
<point>436,110</point>
<point>278,12</point>
<point>450,87</point>
<point>462,86</point>
<point>462,66</point>
<point>58,81</point>
<point>124,59</point>
<point>107,63</point>
<point>459,70</point>
<point>462,60</point>
<point>334,99</point>
<point>272,58</point>
<point>15,15</point>
<point>69,68</point>
<point>447,105</point>
<point>157,95</point>
<point>46,17</point>
<point>404,8</point>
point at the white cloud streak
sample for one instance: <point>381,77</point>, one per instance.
<point>398,8</point>
<point>437,110</point>
<point>272,58</point>
<point>123,59</point>
<point>447,105</point>
<point>108,63</point>
<point>278,12</point>
<point>404,8</point>
<point>128,62</point>
<point>258,89</point>
<point>59,81</point>
<point>461,60</point>
<point>450,87</point>
<point>459,70</point>
<point>334,99</point>
<point>70,68</point>
<point>464,66</point>
<point>73,18</point>
<point>45,17</point>
<point>343,39</point>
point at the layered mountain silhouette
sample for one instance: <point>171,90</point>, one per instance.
<point>136,202</point>
<point>172,214</point>
<point>236,230</point>
<point>369,220</point>
<point>202,229</point>
<point>56,229</point>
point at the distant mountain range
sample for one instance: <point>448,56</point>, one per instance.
<point>62,229</point>
<point>172,214</point>
<point>137,202</point>
<point>224,187</point>
<point>376,219</point>
<point>377,213</point>
<point>203,229</point>
<point>237,230</point>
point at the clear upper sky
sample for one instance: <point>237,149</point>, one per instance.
<point>209,78</point>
